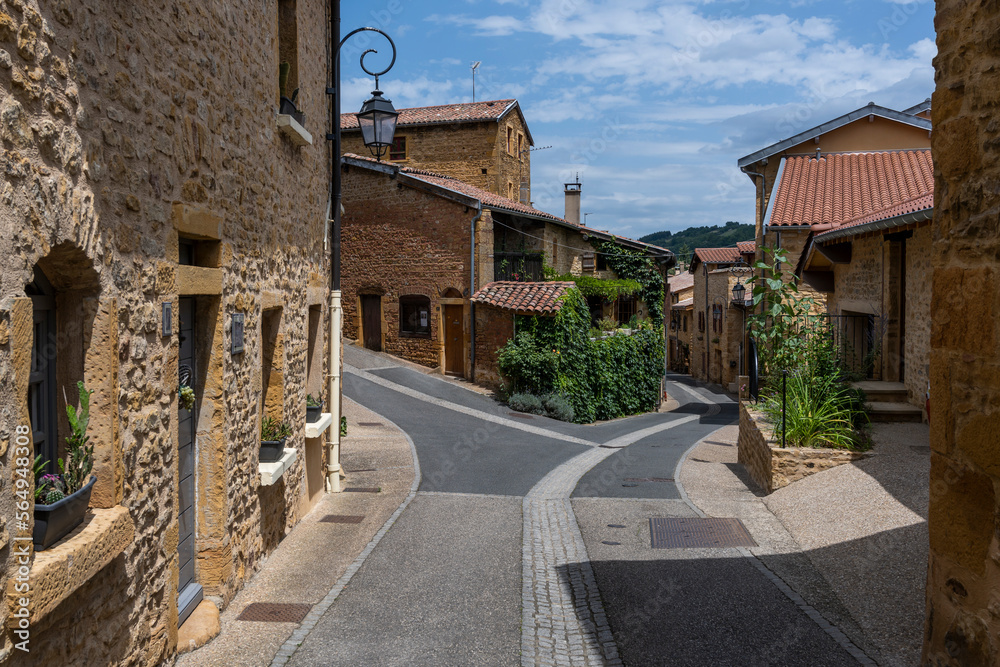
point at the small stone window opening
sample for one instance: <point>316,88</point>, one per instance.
<point>272,357</point>
<point>701,322</point>
<point>602,262</point>
<point>510,139</point>
<point>397,151</point>
<point>197,252</point>
<point>520,148</point>
<point>414,316</point>
<point>288,49</point>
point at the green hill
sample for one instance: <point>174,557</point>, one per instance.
<point>702,237</point>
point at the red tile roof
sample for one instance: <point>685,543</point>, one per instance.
<point>746,247</point>
<point>524,298</point>
<point>681,281</point>
<point>843,187</point>
<point>922,203</point>
<point>718,255</point>
<point>445,113</point>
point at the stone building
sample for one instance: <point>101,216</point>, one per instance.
<point>159,220</point>
<point>718,323</point>
<point>875,268</point>
<point>485,144</point>
<point>963,624</point>
<point>869,129</point>
<point>417,245</point>
<point>680,328</point>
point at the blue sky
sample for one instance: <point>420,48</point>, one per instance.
<point>651,102</point>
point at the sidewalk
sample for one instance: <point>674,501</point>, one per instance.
<point>315,555</point>
<point>851,541</point>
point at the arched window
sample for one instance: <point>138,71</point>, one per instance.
<point>414,316</point>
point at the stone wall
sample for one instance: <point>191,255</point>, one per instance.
<point>771,466</point>
<point>122,127</point>
<point>917,346</point>
<point>399,241</point>
<point>494,327</point>
<point>963,617</point>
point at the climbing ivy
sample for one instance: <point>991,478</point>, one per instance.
<point>609,290</point>
<point>602,379</point>
<point>638,266</point>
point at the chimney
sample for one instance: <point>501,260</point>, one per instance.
<point>573,201</point>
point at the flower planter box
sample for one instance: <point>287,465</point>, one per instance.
<point>271,450</point>
<point>55,521</point>
<point>313,413</point>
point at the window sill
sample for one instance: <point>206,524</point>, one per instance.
<point>316,429</point>
<point>60,570</point>
<point>270,473</point>
<point>295,132</point>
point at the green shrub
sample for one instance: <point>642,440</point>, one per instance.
<point>820,411</point>
<point>558,407</point>
<point>607,324</point>
<point>600,379</point>
<point>526,403</point>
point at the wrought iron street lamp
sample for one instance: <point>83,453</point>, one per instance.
<point>377,120</point>
<point>739,292</point>
<point>739,297</point>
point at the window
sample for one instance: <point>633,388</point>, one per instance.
<point>520,141</point>
<point>701,322</point>
<point>397,151</point>
<point>626,309</point>
<point>415,316</point>
<point>510,190</point>
<point>602,262</point>
<point>510,140</point>
<point>588,262</point>
<point>288,49</point>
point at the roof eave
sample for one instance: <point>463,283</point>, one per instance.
<point>902,220</point>
<point>829,126</point>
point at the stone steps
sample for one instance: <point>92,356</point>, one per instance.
<point>885,392</point>
<point>893,411</point>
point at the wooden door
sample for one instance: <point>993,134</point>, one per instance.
<point>454,336</point>
<point>371,321</point>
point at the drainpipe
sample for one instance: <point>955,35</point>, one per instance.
<point>472,290</point>
<point>336,312</point>
<point>759,239</point>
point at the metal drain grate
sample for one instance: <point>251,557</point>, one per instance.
<point>649,479</point>
<point>370,424</point>
<point>364,489</point>
<point>698,533</point>
<point>275,612</point>
<point>341,518</point>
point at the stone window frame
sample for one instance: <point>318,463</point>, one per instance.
<point>510,140</point>
<point>414,301</point>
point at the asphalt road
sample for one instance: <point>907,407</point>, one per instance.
<point>446,586</point>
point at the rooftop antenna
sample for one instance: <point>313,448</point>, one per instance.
<point>475,66</point>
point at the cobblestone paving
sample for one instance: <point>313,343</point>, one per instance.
<point>563,619</point>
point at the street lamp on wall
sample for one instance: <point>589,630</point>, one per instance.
<point>739,292</point>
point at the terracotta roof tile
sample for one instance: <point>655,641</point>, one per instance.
<point>843,187</point>
<point>718,255</point>
<point>681,281</point>
<point>685,304</point>
<point>746,247</point>
<point>524,298</point>
<point>468,112</point>
<point>922,203</point>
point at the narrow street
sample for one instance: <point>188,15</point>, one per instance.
<point>527,541</point>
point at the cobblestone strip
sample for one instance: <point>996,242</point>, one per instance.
<point>563,620</point>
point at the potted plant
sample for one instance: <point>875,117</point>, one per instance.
<point>314,409</point>
<point>272,439</point>
<point>61,501</point>
<point>287,104</point>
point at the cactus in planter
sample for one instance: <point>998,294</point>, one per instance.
<point>54,496</point>
<point>271,429</point>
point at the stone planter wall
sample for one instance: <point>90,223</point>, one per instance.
<point>772,467</point>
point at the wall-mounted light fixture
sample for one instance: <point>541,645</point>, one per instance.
<point>237,333</point>
<point>168,323</point>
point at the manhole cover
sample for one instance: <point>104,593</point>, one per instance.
<point>364,489</point>
<point>370,424</point>
<point>698,533</point>
<point>341,518</point>
<point>649,479</point>
<point>275,612</point>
